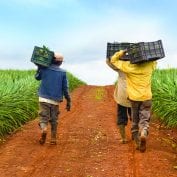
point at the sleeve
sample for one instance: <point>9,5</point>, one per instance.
<point>66,87</point>
<point>116,62</point>
<point>38,75</point>
<point>111,65</point>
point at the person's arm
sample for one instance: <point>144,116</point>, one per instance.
<point>120,64</point>
<point>38,73</point>
<point>66,92</point>
<point>111,65</point>
<point>116,58</point>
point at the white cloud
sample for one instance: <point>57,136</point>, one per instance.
<point>93,72</point>
<point>168,62</point>
<point>88,42</point>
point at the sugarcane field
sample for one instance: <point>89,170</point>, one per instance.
<point>88,137</point>
<point>88,88</point>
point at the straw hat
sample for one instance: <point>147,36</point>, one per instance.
<point>58,56</point>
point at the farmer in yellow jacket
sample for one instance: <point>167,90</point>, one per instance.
<point>138,77</point>
<point>123,104</point>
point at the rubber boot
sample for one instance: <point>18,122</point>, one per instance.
<point>143,137</point>
<point>53,140</point>
<point>43,136</point>
<point>122,133</point>
<point>135,137</point>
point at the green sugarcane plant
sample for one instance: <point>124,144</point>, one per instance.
<point>164,89</point>
<point>18,98</point>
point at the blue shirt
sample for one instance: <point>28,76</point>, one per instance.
<point>54,83</point>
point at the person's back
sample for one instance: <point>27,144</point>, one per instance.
<point>138,77</point>
<point>53,83</point>
<point>139,80</point>
<point>120,92</point>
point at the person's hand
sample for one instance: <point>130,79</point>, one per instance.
<point>68,105</point>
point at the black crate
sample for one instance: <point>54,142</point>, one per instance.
<point>115,47</point>
<point>42,56</point>
<point>146,51</point>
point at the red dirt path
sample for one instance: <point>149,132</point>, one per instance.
<point>88,145</point>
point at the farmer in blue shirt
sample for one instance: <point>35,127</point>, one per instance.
<point>53,86</point>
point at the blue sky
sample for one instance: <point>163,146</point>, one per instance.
<point>80,30</point>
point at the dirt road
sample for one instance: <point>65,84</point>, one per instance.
<point>88,145</point>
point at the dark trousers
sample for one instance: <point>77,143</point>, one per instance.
<point>48,113</point>
<point>122,114</point>
<point>141,112</point>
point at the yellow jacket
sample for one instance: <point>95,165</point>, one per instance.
<point>138,77</point>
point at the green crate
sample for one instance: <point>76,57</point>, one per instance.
<point>42,56</point>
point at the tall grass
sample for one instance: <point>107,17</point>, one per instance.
<point>74,82</point>
<point>18,98</point>
<point>164,88</point>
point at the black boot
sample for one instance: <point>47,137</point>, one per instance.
<point>43,137</point>
<point>53,140</point>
